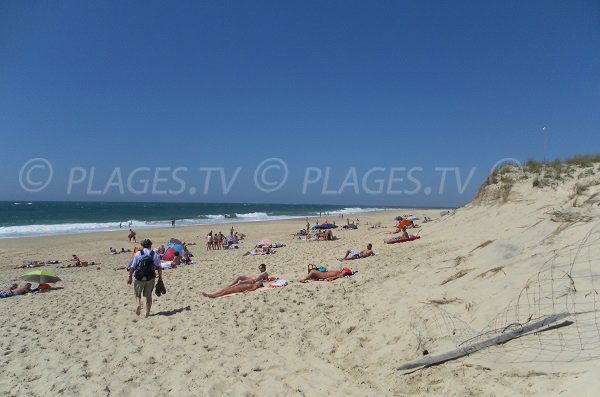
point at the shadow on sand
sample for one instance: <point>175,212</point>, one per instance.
<point>168,313</point>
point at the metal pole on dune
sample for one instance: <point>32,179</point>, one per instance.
<point>545,132</point>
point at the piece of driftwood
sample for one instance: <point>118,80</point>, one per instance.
<point>504,337</point>
<point>443,301</point>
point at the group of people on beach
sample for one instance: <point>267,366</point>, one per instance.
<point>146,264</point>
<point>218,241</point>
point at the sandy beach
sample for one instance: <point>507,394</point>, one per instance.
<point>345,337</point>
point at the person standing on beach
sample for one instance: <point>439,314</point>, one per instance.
<point>132,236</point>
<point>209,241</point>
<point>144,266</point>
<point>173,223</point>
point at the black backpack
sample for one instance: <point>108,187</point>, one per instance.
<point>145,270</point>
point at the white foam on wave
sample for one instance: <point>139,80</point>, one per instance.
<point>254,215</point>
<point>215,216</point>
<point>354,210</point>
<point>65,228</point>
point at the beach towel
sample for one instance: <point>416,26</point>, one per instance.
<point>276,284</point>
<point>166,265</point>
<point>398,240</point>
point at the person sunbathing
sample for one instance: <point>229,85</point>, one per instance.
<point>251,280</point>
<point>15,290</point>
<point>404,234</point>
<point>29,265</point>
<point>403,237</point>
<point>352,254</point>
<point>234,289</point>
<point>78,263</point>
<point>176,260</point>
<point>315,274</point>
<point>260,251</point>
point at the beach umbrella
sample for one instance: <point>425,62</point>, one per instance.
<point>265,241</point>
<point>40,276</point>
<point>325,226</point>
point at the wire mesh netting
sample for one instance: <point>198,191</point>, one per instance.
<point>554,318</point>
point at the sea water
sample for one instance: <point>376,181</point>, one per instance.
<point>19,219</point>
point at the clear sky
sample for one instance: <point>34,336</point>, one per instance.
<point>334,89</point>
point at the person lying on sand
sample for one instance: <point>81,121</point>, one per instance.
<point>234,289</point>
<point>315,274</point>
<point>251,280</point>
<point>260,251</point>
<point>29,265</point>
<point>352,254</point>
<point>402,237</point>
<point>78,263</point>
<point>15,290</point>
<point>375,226</point>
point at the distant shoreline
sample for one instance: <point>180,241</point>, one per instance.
<point>165,225</point>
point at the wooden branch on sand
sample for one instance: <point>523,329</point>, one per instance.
<point>496,340</point>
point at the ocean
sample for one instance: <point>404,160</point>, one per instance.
<point>21,219</point>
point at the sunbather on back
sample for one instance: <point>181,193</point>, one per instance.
<point>234,289</point>
<point>315,274</point>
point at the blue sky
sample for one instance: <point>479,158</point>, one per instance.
<point>339,85</point>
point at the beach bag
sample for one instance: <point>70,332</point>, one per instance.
<point>145,270</point>
<point>320,268</point>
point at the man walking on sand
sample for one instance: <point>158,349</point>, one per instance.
<point>144,266</point>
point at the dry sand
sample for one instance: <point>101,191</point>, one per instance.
<point>340,338</point>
